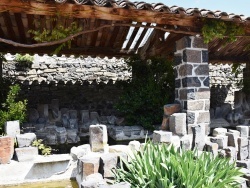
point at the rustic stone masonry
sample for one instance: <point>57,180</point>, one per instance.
<point>54,69</point>
<point>223,83</point>
<point>192,81</point>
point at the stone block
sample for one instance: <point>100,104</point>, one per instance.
<point>191,82</point>
<point>6,149</point>
<point>184,42</point>
<point>177,124</point>
<point>39,126</point>
<point>244,130</point>
<point>186,142</point>
<point>134,145</point>
<point>202,93</point>
<point>117,185</point>
<point>43,110</point>
<point>61,135</point>
<point>162,137</point>
<point>12,128</point>
<point>54,106</point>
<point>187,94</point>
<point>98,137</point>
<point>73,114</point>
<point>242,148</point>
<point>72,136</point>
<point>84,116</point>
<point>94,116</point>
<point>185,69</point>
<point>219,131</point>
<point>175,141</point>
<point>73,123</point>
<point>26,153</point>
<point>202,70</point>
<point>88,165</point>
<point>33,115</point>
<point>227,153</point>
<point>220,140</point>
<point>198,137</point>
<point>89,184</point>
<point>232,139</point>
<point>79,151</point>
<point>192,56</point>
<point>212,147</point>
<point>165,123</point>
<point>198,42</point>
<point>169,109</point>
<point>51,139</point>
<point>195,105</point>
<point>107,163</point>
<point>243,163</point>
<point>235,132</point>
<point>25,140</point>
<point>203,117</point>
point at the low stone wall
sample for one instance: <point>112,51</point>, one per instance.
<point>63,69</point>
<point>78,83</point>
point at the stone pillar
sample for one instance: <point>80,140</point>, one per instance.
<point>192,81</point>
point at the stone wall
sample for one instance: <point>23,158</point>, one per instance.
<point>223,83</point>
<point>78,83</point>
<point>54,69</point>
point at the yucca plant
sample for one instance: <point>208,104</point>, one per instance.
<point>162,166</point>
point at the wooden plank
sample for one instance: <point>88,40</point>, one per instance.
<point>94,35</point>
<point>9,26</point>
<point>102,39</point>
<point>20,27</point>
<point>112,38</point>
<point>141,38</point>
<point>121,37</point>
<point>31,26</point>
<point>89,35</point>
<point>132,37</point>
<point>97,12</point>
<point>165,47</point>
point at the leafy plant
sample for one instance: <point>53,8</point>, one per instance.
<point>161,166</point>
<point>23,61</point>
<point>58,31</point>
<point>45,150</point>
<point>152,86</point>
<point>12,108</point>
<point>220,29</point>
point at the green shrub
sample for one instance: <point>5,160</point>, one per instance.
<point>151,87</point>
<point>44,150</point>
<point>23,61</point>
<point>13,109</point>
<point>161,166</point>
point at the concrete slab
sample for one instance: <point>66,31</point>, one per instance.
<point>42,169</point>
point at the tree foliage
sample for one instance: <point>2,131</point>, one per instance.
<point>213,28</point>
<point>59,30</point>
<point>151,87</point>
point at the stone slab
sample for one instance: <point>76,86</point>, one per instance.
<point>26,154</point>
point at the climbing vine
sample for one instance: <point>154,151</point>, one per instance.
<point>58,31</point>
<point>213,28</point>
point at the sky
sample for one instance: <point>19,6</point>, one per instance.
<point>229,6</point>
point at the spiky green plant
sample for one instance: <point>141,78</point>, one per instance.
<point>161,166</point>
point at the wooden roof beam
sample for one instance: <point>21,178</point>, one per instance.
<point>96,12</point>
